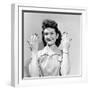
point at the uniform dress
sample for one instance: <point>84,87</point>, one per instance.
<point>49,62</point>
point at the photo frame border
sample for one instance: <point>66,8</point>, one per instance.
<point>17,48</point>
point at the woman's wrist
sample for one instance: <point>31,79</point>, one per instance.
<point>34,56</point>
<point>66,51</point>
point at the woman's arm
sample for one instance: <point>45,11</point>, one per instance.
<point>65,65</point>
<point>33,66</point>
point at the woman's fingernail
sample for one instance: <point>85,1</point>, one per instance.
<point>70,39</point>
<point>36,34</point>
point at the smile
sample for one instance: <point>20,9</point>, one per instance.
<point>49,39</point>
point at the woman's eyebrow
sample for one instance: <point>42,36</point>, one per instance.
<point>51,32</point>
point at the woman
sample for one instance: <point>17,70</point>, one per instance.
<point>50,61</point>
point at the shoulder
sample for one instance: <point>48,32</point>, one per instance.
<point>59,51</point>
<point>60,54</point>
<point>41,52</point>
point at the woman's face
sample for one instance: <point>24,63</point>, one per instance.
<point>50,36</point>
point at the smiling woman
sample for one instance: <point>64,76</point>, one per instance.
<point>50,61</point>
<point>50,30</point>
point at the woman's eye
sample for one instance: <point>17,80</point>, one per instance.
<point>52,33</point>
<point>45,33</point>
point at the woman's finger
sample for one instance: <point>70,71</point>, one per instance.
<point>28,42</point>
<point>70,39</point>
<point>31,38</point>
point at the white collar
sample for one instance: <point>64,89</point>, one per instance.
<point>48,50</point>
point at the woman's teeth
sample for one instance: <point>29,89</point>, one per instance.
<point>48,39</point>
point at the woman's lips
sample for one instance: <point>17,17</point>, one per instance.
<point>49,39</point>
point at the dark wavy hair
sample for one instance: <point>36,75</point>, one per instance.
<point>47,23</point>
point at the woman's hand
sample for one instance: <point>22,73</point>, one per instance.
<point>33,43</point>
<point>66,41</point>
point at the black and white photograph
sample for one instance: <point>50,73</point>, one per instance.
<point>47,44</point>
<point>51,44</point>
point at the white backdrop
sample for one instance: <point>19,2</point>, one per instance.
<point>5,42</point>
<point>66,22</point>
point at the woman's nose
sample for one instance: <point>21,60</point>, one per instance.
<point>49,36</point>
